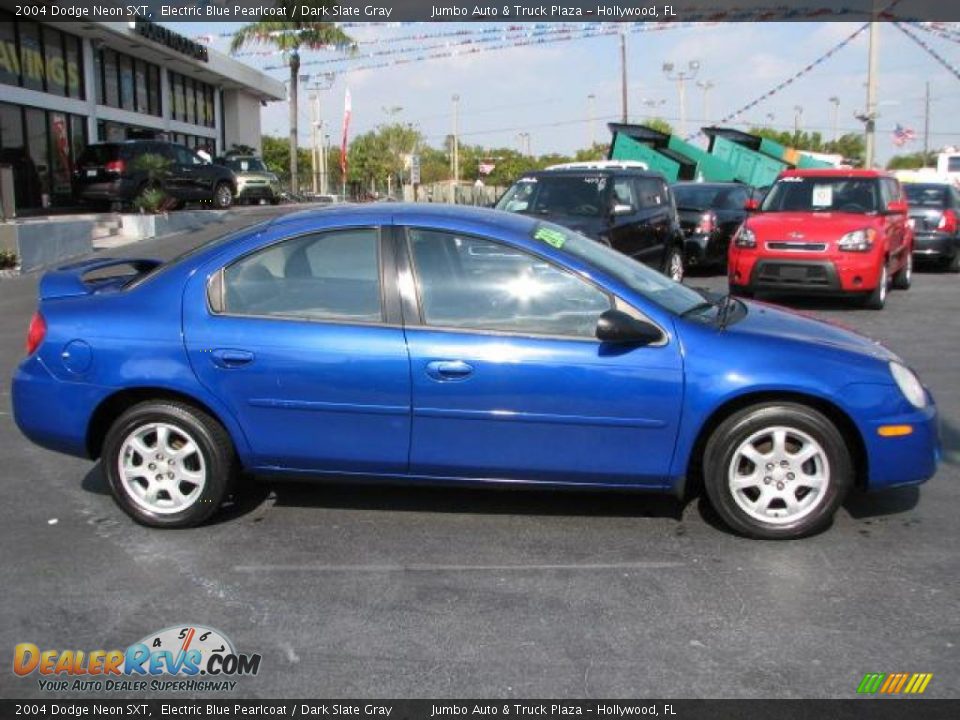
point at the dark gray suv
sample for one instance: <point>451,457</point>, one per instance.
<point>107,172</point>
<point>630,209</point>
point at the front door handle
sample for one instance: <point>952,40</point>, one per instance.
<point>231,358</point>
<point>447,370</point>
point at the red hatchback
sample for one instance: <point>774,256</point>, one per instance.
<point>826,231</point>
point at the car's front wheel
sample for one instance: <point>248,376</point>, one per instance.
<point>222,196</point>
<point>877,298</point>
<point>777,471</point>
<point>168,464</point>
<point>673,265</point>
<point>904,276</point>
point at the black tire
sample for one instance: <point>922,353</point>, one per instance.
<point>673,264</point>
<point>727,439</point>
<point>953,264</point>
<point>877,298</point>
<point>741,291</point>
<point>214,448</point>
<point>903,277</point>
<point>222,196</point>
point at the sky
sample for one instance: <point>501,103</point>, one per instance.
<point>543,89</point>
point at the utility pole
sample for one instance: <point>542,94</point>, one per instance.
<point>455,150</point>
<point>835,101</point>
<point>590,118</point>
<point>871,112</point>
<point>797,112</point>
<point>624,113</point>
<point>314,131</point>
<point>926,124</point>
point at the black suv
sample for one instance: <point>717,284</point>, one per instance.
<point>107,172</point>
<point>935,219</point>
<point>630,209</point>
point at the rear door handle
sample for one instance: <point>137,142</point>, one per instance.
<point>447,370</point>
<point>231,358</point>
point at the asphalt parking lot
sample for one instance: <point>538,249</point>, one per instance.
<point>375,591</point>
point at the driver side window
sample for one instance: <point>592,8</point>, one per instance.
<point>475,284</point>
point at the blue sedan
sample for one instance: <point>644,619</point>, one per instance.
<point>455,346</point>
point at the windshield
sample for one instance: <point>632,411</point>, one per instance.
<point>932,196</point>
<point>245,164</point>
<point>823,194</point>
<point>575,195</point>
<point>645,281</point>
<point>699,197</point>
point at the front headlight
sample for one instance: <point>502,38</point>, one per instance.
<point>909,385</point>
<point>858,240</point>
<point>745,238</point>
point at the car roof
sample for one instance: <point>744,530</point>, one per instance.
<point>691,183</point>
<point>409,214</point>
<point>836,172</point>
<point>593,171</point>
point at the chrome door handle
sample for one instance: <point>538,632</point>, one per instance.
<point>445,370</point>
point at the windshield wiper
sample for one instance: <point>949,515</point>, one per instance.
<point>699,307</point>
<point>727,304</point>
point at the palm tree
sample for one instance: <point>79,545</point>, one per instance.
<point>289,37</point>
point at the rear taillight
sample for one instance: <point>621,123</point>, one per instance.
<point>948,222</point>
<point>117,166</point>
<point>36,332</point>
<point>707,223</point>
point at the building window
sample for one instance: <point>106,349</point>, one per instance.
<point>31,56</point>
<point>53,61</point>
<point>74,66</point>
<point>140,73</point>
<point>177,101</point>
<point>127,99</point>
<point>9,56</point>
<point>38,147</point>
<point>153,90</point>
<point>111,83</point>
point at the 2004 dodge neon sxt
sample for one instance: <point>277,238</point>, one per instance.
<point>456,345</point>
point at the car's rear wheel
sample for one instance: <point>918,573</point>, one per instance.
<point>903,276</point>
<point>673,265</point>
<point>876,299</point>
<point>777,471</point>
<point>168,464</point>
<point>222,196</point>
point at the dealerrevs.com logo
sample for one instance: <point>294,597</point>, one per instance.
<point>188,658</point>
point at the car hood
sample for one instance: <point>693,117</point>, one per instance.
<point>812,226</point>
<point>765,321</point>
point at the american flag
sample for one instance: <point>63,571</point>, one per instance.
<point>902,135</point>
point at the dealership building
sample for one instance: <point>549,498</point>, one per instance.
<point>66,84</point>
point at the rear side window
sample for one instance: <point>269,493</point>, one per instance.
<point>470,283</point>
<point>99,154</point>
<point>651,193</point>
<point>323,276</point>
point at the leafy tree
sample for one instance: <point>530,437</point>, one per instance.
<point>276,156</point>
<point>850,146</point>
<point>660,125</point>
<point>289,37</point>
<point>597,151</point>
<point>912,161</point>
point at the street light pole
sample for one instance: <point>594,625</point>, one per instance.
<point>590,118</point>
<point>871,112</point>
<point>835,101</point>
<point>456,143</point>
<point>681,77</point>
<point>624,113</point>
<point>797,112</point>
<point>926,124</point>
<point>706,86</point>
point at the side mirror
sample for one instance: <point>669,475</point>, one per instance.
<point>751,205</point>
<point>622,209</point>
<point>897,207</point>
<point>615,326</point>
